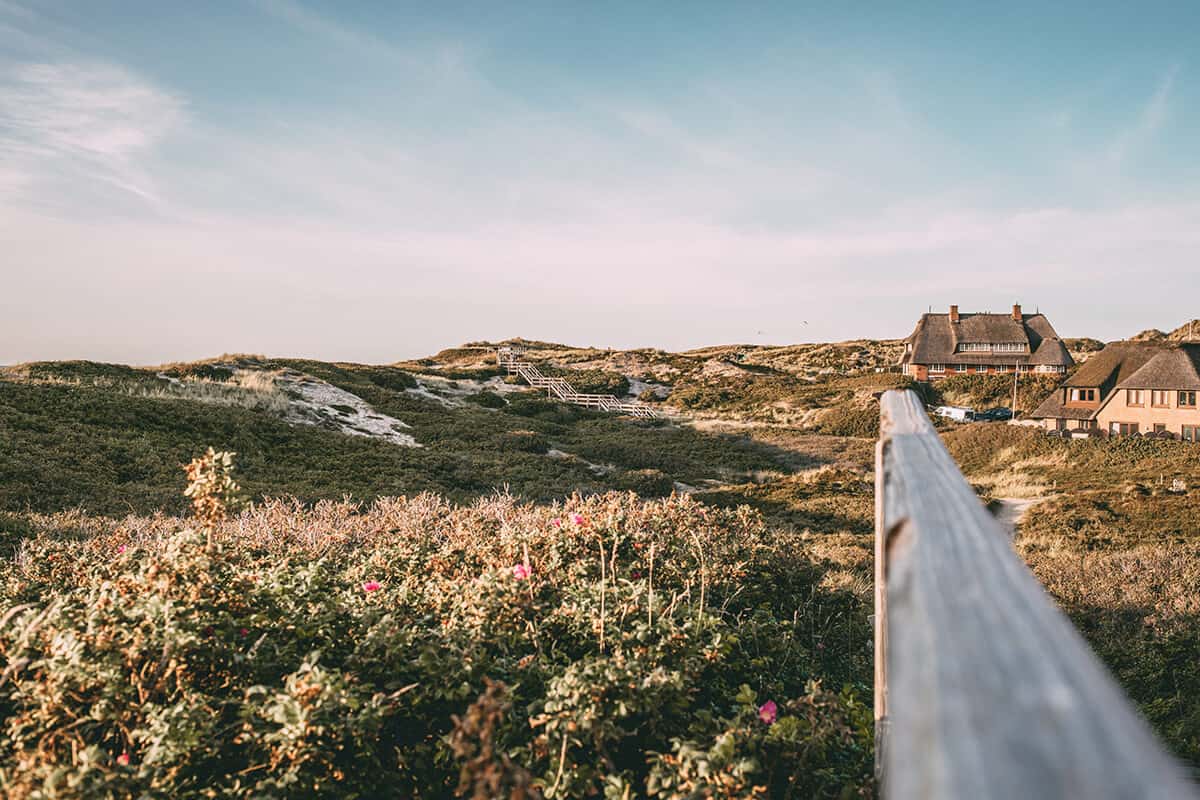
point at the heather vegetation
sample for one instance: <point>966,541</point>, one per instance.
<point>1118,547</point>
<point>605,645</point>
<point>532,600</point>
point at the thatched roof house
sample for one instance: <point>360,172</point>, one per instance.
<point>954,343</point>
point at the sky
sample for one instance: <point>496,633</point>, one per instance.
<point>374,181</point>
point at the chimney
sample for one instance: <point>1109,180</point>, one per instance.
<point>1017,312</point>
<point>954,313</point>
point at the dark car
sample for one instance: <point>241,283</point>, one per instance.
<point>994,415</point>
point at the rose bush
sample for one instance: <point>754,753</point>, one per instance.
<point>608,646</point>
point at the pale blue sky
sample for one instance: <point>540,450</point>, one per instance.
<point>374,181</point>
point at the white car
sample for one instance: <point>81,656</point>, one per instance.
<point>956,413</point>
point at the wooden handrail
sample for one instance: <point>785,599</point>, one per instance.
<point>562,389</point>
<point>983,689</point>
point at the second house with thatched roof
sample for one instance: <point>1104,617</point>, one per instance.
<point>1130,388</point>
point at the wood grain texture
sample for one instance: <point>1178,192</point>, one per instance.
<point>990,691</point>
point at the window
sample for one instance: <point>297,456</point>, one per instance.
<point>974,347</point>
<point>937,367</point>
<point>1133,397</point>
<point>1191,433</point>
<point>1123,428</point>
<point>1187,399</point>
<point>1160,398</point>
<point>1051,368</point>
<point>1160,428</point>
<point>1001,368</point>
<point>1009,347</point>
<point>1083,395</point>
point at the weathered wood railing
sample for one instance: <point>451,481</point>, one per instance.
<point>983,689</point>
<point>509,358</point>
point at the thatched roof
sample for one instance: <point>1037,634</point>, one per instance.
<point>935,340</point>
<point>1176,367</point>
<point>1114,364</point>
<point>1052,408</point>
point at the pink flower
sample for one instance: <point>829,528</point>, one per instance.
<point>579,519</point>
<point>123,759</point>
<point>121,549</point>
<point>557,523</point>
<point>243,631</point>
<point>372,586</point>
<point>768,712</point>
<point>521,572</point>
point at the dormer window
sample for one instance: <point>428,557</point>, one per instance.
<point>991,347</point>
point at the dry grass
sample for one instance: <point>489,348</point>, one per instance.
<point>251,389</point>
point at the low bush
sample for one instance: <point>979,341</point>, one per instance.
<point>486,399</point>
<point>846,420</point>
<point>645,482</point>
<point>607,646</point>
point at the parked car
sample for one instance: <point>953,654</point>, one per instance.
<point>995,415</point>
<point>956,413</point>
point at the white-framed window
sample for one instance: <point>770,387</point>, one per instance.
<point>975,347</point>
<point>1009,347</point>
<point>1002,368</point>
<point>937,367</point>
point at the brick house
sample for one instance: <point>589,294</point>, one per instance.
<point>1130,387</point>
<point>975,344</point>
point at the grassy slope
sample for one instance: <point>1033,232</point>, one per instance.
<point>63,445</point>
<point>1111,551</point>
<point>1119,553</point>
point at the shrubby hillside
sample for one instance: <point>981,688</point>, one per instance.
<point>411,647</point>
<point>444,583</point>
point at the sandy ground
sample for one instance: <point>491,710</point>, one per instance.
<point>315,402</point>
<point>1012,512</point>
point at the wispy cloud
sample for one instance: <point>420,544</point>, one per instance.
<point>89,120</point>
<point>1149,120</point>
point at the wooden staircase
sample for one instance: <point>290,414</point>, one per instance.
<point>510,359</point>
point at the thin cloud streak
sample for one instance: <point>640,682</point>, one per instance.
<point>90,120</point>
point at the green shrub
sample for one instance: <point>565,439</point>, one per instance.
<point>646,482</point>
<point>523,442</point>
<point>844,420</point>
<point>486,399</point>
<point>411,648</point>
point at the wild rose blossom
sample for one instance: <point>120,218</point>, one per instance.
<point>372,586</point>
<point>768,712</point>
<point>557,523</point>
<point>121,549</point>
<point>579,519</point>
<point>123,759</point>
<point>521,572</point>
